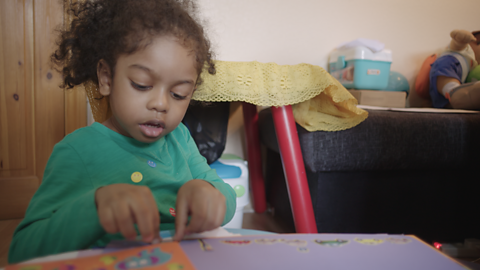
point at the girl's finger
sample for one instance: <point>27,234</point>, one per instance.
<point>144,218</point>
<point>219,216</point>
<point>200,216</point>
<point>181,217</point>
<point>155,216</point>
<point>124,221</point>
<point>107,220</point>
<point>215,217</point>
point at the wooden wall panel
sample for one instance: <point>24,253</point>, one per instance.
<point>15,196</point>
<point>32,115</point>
<point>49,97</point>
<point>14,94</point>
<point>18,181</point>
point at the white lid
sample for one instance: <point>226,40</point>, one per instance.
<point>361,52</point>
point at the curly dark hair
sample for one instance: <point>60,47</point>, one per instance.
<point>106,29</point>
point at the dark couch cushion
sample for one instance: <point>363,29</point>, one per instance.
<point>389,140</point>
<point>397,172</point>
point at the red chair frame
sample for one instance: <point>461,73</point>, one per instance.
<point>292,160</point>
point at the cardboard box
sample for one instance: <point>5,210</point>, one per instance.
<point>392,99</point>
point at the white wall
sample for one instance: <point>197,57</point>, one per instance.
<point>306,31</point>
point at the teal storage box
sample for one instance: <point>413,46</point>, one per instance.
<point>361,68</point>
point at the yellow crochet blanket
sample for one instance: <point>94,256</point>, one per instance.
<point>319,101</point>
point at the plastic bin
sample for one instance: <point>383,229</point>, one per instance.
<point>234,171</point>
<point>360,68</point>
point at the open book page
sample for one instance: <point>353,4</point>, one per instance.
<point>270,251</point>
<point>418,110</point>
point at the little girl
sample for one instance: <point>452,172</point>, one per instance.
<point>140,169</point>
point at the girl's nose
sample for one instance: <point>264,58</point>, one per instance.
<point>158,101</point>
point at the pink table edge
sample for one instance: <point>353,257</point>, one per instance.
<point>292,160</point>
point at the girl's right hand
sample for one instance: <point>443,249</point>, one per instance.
<point>120,206</point>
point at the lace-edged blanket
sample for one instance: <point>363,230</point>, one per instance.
<point>319,101</point>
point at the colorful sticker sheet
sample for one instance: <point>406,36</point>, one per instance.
<point>164,256</point>
<point>269,251</point>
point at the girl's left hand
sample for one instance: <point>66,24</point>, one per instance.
<point>204,203</point>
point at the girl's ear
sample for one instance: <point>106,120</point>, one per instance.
<point>104,75</point>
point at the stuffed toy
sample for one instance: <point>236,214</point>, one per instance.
<point>474,75</point>
<point>443,77</point>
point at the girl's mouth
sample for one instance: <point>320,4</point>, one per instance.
<point>152,128</point>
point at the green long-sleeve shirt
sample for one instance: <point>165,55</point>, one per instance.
<point>62,215</point>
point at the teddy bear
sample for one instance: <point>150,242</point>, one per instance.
<point>450,79</point>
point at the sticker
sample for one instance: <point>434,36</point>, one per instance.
<point>236,242</point>
<point>136,177</point>
<point>331,243</point>
<point>144,259</point>
<point>295,242</point>
<point>399,241</point>
<point>61,267</point>
<point>373,72</point>
<point>267,241</point>
<point>172,212</point>
<point>152,164</point>
<point>303,249</point>
<point>370,242</point>
<point>107,260</point>
<point>175,266</point>
<point>205,246</point>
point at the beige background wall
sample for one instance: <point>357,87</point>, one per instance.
<point>306,31</point>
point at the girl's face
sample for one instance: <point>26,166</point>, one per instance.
<point>151,89</point>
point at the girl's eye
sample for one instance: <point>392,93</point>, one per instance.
<point>140,87</point>
<point>177,96</point>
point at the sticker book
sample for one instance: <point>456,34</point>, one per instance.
<point>269,251</point>
<point>164,256</point>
